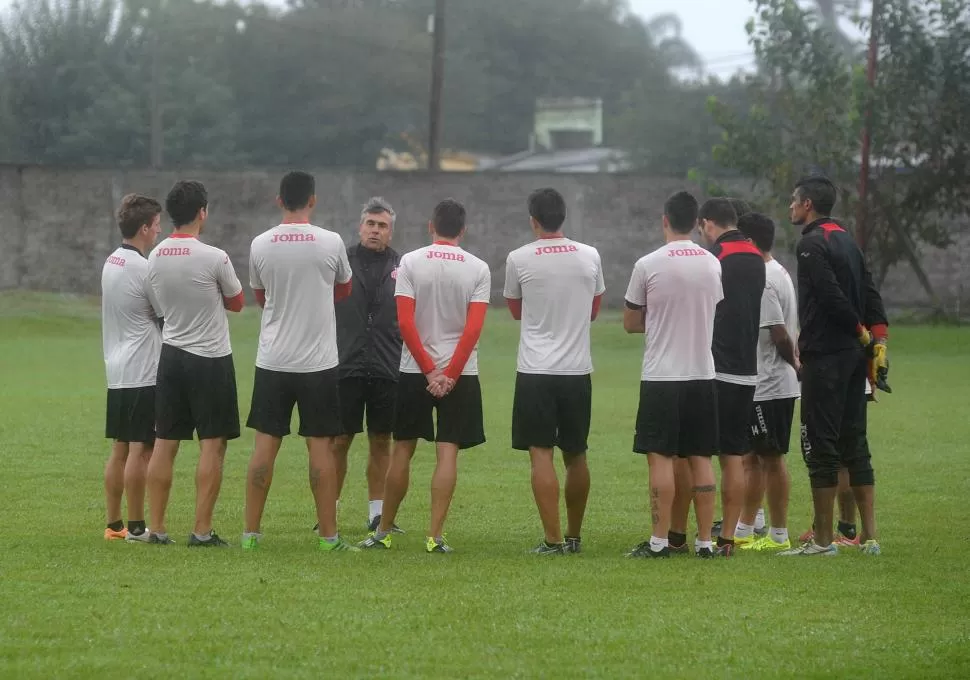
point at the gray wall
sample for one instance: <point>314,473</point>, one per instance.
<point>57,225</point>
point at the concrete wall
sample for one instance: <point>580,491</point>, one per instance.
<point>57,225</point>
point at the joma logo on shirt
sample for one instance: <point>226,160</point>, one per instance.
<point>685,252</point>
<point>438,255</point>
<point>550,250</point>
<point>114,259</point>
<point>163,252</point>
<point>286,238</point>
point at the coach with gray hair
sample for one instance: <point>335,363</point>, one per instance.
<point>369,344</point>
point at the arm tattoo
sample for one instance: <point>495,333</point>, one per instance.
<point>707,488</point>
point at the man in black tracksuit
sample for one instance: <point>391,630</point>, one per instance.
<point>369,343</point>
<point>843,323</point>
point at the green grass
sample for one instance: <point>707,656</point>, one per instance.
<point>75,606</point>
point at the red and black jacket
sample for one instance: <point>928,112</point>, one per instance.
<point>737,318</point>
<point>836,294</point>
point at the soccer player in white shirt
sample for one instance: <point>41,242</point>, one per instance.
<point>774,399</point>
<point>196,388</point>
<point>131,341</point>
<point>442,295</point>
<point>297,271</point>
<point>554,285</point>
<point>672,296</point>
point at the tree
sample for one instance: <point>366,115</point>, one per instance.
<point>808,107</point>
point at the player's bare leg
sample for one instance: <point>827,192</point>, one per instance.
<point>683,496</point>
<point>259,478</point>
<point>208,481</point>
<point>823,501</point>
<point>323,483</point>
<point>865,498</point>
<point>114,483</point>
<point>754,488</point>
<point>545,490</point>
<point>704,490</point>
<point>732,494</point>
<point>846,498</point>
<point>397,482</point>
<point>341,449</point>
<point>443,483</point>
<point>136,472</point>
<point>778,490</point>
<point>576,490</point>
<point>378,460</point>
<point>159,482</point>
<point>661,493</point>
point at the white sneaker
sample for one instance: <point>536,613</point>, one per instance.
<point>143,537</point>
<point>811,548</point>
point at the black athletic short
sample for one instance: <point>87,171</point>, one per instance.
<point>130,415</point>
<point>771,423</point>
<point>834,406</point>
<point>373,395</point>
<point>734,403</point>
<point>677,418</point>
<point>460,419</point>
<point>551,410</point>
<point>195,394</point>
<point>316,396</point>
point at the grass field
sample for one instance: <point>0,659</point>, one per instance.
<point>75,606</point>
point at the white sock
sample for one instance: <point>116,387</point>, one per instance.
<point>778,535</point>
<point>700,545</point>
<point>374,508</point>
<point>744,530</point>
<point>203,537</point>
<point>759,519</point>
<point>330,539</point>
<point>658,544</point>
<point>247,534</point>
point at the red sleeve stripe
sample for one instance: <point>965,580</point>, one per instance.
<point>469,338</point>
<point>515,307</point>
<point>597,301</point>
<point>260,296</point>
<point>235,303</point>
<point>342,291</point>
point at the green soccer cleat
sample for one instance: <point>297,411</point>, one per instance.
<point>437,545</point>
<point>767,544</point>
<point>338,545</point>
<point>373,542</point>
<point>251,541</point>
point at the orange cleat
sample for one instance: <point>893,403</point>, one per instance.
<point>112,535</point>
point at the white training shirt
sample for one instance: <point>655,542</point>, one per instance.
<point>443,280</point>
<point>190,278</point>
<point>297,265</point>
<point>779,306</point>
<point>680,286</point>
<point>556,279</point>
<point>130,336</point>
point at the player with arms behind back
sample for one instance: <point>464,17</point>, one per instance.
<point>131,340</point>
<point>672,296</point>
<point>297,271</point>
<point>554,285</point>
<point>442,296</point>
<point>196,388</point>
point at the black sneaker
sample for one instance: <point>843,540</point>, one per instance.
<point>157,539</point>
<point>706,553</point>
<point>574,545</point>
<point>546,548</point>
<point>681,549</point>
<point>376,522</point>
<point>213,542</point>
<point>643,550</point>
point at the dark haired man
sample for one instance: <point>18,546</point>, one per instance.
<point>554,285</point>
<point>297,271</point>
<point>196,388</point>
<point>442,295</point>
<point>672,296</point>
<point>774,398</point>
<point>735,347</point>
<point>842,320</point>
<point>131,341</point>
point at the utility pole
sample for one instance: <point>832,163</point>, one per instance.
<point>437,80</point>
<point>156,104</point>
<point>862,217</point>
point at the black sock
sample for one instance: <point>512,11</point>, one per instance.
<point>117,526</point>
<point>724,541</point>
<point>675,538</point>
<point>136,527</point>
<point>847,530</point>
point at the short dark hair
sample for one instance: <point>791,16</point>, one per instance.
<point>741,206</point>
<point>135,212</point>
<point>760,229</point>
<point>719,211</point>
<point>820,191</point>
<point>184,202</point>
<point>681,212</point>
<point>296,188</point>
<point>548,208</point>
<point>448,218</point>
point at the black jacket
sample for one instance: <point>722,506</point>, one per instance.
<point>368,337</point>
<point>835,290</point>
<point>737,318</point>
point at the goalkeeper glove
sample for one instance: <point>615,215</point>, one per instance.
<point>879,366</point>
<point>865,337</point>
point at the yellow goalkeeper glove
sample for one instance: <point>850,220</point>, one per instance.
<point>879,367</point>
